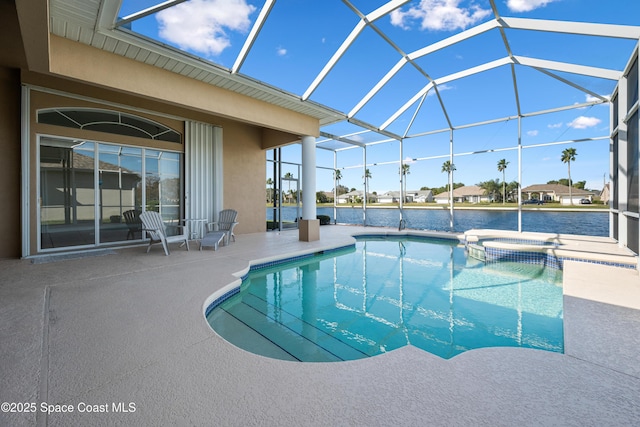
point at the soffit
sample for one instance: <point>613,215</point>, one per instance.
<point>79,21</point>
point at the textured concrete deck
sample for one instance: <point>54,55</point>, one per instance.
<point>128,328</point>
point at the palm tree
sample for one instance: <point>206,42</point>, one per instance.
<point>367,176</point>
<point>568,156</point>
<point>337,176</point>
<point>288,176</point>
<point>502,165</point>
<point>448,167</point>
<point>491,187</point>
<point>404,171</point>
<point>269,184</point>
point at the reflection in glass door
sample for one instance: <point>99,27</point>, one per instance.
<point>162,186</point>
<point>67,193</point>
<point>92,194</point>
<point>120,192</point>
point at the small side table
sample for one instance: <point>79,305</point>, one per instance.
<point>212,239</point>
<point>196,227</point>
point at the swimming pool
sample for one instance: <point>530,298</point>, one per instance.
<point>386,293</point>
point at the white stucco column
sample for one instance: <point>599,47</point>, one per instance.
<point>308,177</point>
<point>309,227</point>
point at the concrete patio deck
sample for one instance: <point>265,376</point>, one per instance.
<point>126,331</point>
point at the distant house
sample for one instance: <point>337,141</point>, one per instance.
<point>355,196</point>
<point>555,193</point>
<point>389,197</point>
<point>411,196</point>
<point>421,196</point>
<point>605,194</point>
<point>467,193</point>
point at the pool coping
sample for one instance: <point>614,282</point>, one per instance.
<point>532,247</point>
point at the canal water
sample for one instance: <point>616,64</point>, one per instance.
<point>544,221</point>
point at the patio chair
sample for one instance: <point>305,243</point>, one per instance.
<point>226,222</point>
<point>154,226</point>
<point>132,219</point>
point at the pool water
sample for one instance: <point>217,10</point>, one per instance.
<point>386,293</point>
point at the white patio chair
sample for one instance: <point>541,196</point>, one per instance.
<point>226,222</point>
<point>156,230</point>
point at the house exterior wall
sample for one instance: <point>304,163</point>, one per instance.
<point>566,200</point>
<point>59,93</point>
<point>244,176</point>
<point>65,73</point>
<point>84,63</point>
<point>244,161</point>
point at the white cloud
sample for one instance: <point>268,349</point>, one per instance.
<point>590,98</point>
<point>583,122</point>
<point>202,25</point>
<point>281,51</point>
<point>555,126</point>
<point>532,133</point>
<point>441,88</point>
<point>444,15</point>
<point>526,5</point>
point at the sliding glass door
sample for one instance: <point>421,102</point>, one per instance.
<point>120,192</point>
<point>67,193</point>
<point>92,193</point>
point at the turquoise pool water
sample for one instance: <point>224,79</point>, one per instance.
<point>386,293</point>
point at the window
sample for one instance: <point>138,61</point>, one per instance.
<point>108,121</point>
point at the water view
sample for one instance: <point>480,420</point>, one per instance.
<point>565,222</point>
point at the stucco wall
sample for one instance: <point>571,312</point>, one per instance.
<point>10,163</point>
<point>63,67</point>
<point>85,63</point>
<point>244,160</point>
<point>244,176</point>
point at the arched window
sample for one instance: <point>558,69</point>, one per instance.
<point>109,122</point>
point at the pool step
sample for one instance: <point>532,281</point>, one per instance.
<point>297,338</point>
<point>237,333</point>
<point>476,251</point>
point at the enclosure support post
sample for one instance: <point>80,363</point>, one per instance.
<point>335,187</point>
<point>402,224</point>
<point>309,228</point>
<point>451,219</point>
<point>519,174</point>
<point>364,176</point>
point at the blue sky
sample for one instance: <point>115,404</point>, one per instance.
<point>299,37</point>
